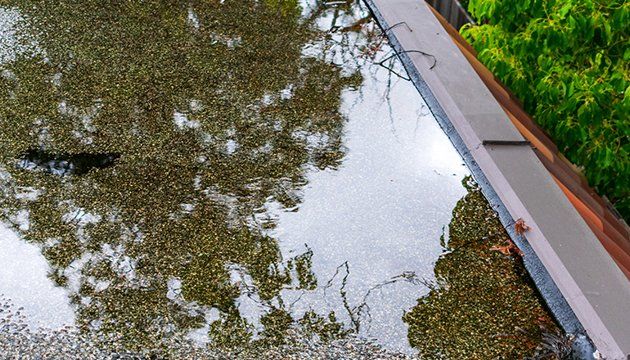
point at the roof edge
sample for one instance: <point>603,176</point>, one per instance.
<point>550,292</point>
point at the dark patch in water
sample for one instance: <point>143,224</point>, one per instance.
<point>64,163</point>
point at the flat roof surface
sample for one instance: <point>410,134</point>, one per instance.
<point>586,275</point>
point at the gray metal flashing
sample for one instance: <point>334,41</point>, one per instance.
<point>582,286</point>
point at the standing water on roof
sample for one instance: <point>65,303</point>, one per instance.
<point>216,173</point>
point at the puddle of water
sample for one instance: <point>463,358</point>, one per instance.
<point>481,303</point>
<point>381,213</point>
<point>231,170</point>
<point>24,280</point>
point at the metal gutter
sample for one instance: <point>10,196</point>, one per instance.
<point>584,288</point>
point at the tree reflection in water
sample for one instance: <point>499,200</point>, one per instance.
<point>143,140</point>
<point>482,304</point>
<point>211,110</point>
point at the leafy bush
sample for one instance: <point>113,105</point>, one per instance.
<point>568,62</point>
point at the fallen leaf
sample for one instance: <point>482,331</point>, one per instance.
<point>520,227</point>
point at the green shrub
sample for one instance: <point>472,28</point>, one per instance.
<point>568,62</point>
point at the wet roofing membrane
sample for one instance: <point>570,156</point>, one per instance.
<point>229,178</point>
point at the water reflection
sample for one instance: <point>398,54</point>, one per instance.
<point>227,169</point>
<point>211,111</point>
<point>24,278</point>
<point>374,224</point>
<point>482,303</point>
<point>204,135</point>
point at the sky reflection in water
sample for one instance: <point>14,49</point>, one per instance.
<point>255,159</point>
